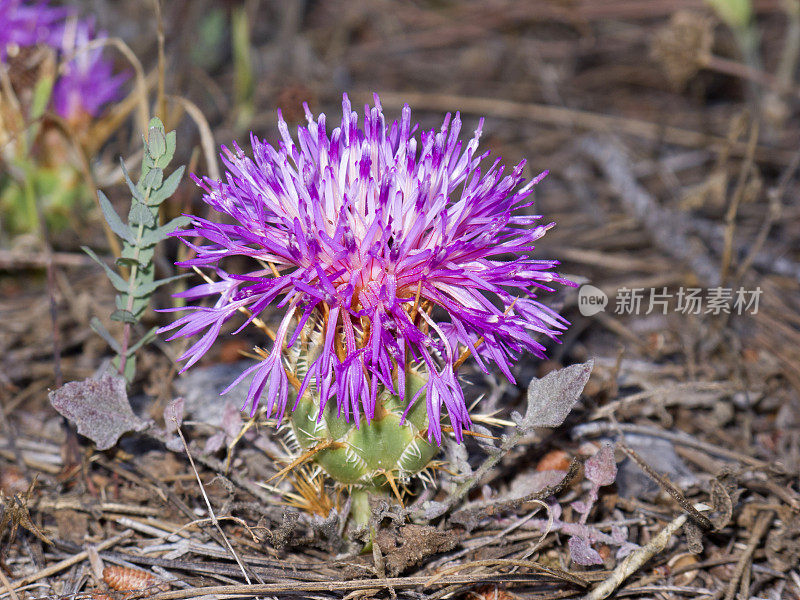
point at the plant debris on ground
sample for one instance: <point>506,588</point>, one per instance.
<point>672,146</point>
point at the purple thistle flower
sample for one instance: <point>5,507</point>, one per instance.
<point>365,228</point>
<point>24,25</point>
<point>87,82</point>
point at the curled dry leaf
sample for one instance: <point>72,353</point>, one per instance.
<point>551,398</point>
<point>601,469</point>
<point>583,553</point>
<point>99,408</point>
<point>214,443</point>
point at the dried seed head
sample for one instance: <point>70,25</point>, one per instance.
<point>683,45</point>
<point>125,579</point>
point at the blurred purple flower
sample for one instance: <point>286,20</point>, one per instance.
<point>87,82</point>
<point>27,24</point>
<point>409,252</point>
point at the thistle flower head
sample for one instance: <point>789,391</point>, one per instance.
<point>411,252</point>
<point>27,24</point>
<point>87,82</point>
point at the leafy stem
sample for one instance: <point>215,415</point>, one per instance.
<point>135,278</point>
<point>126,328</point>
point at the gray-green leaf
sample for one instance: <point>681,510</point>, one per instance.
<point>156,140</point>
<point>137,307</point>
<point>135,191</point>
<point>153,180</point>
<point>100,330</point>
<point>123,316</point>
<point>116,280</point>
<point>170,152</point>
<point>113,220</point>
<point>130,367</point>
<point>141,215</point>
<point>153,236</point>
<point>143,255</point>
<point>126,262</point>
<point>167,188</point>
<point>143,340</point>
<point>149,287</point>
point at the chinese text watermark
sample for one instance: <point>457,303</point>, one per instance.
<point>687,301</point>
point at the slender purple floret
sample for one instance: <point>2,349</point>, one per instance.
<point>23,25</point>
<point>410,252</point>
<point>86,84</point>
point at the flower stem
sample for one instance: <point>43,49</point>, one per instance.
<point>126,328</point>
<point>359,506</point>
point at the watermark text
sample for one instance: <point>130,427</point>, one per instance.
<point>687,301</point>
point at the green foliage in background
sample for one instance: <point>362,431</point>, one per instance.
<point>737,14</point>
<point>30,185</point>
<point>59,192</point>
